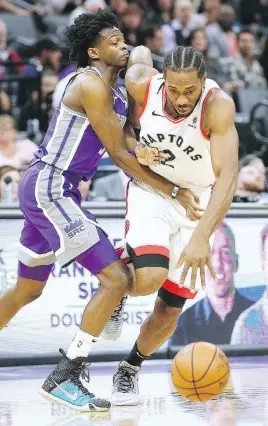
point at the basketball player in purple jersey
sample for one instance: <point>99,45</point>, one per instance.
<point>88,121</point>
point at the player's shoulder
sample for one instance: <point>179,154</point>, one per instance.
<point>216,97</point>
<point>219,111</point>
<point>90,81</point>
<point>92,88</point>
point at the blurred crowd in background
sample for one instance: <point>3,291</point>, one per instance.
<point>35,68</point>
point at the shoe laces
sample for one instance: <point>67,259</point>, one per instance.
<point>80,368</point>
<point>124,379</point>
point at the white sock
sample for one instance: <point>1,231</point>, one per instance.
<point>81,344</point>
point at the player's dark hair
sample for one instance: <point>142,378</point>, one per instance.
<point>86,32</point>
<point>186,59</point>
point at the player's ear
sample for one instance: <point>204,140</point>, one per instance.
<point>203,79</point>
<point>92,53</point>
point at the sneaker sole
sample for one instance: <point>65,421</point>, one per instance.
<point>59,401</point>
<point>126,403</point>
<point>110,337</point>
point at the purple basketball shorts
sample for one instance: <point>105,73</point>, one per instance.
<point>56,227</point>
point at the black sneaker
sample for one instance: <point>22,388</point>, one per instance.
<point>64,386</point>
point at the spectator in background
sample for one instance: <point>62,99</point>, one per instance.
<point>218,45</point>
<point>62,6</point>
<point>264,57</point>
<point>251,328</point>
<point>9,176</point>
<point>255,161</point>
<point>34,109</point>
<point>212,319</point>
<point>198,40</point>
<point>131,20</point>
<point>112,187</point>
<point>230,27</point>
<point>209,7</point>
<point>160,12</point>
<point>244,70</point>
<point>5,104</point>
<point>251,181</point>
<point>89,6</point>
<point>254,12</point>
<point>118,6</point>
<point>151,37</point>
<point>7,54</point>
<point>13,152</point>
<point>185,22</point>
<point>47,56</point>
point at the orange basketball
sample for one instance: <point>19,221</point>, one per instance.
<point>200,371</point>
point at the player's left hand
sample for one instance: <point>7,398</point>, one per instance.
<point>148,156</point>
<point>196,255</point>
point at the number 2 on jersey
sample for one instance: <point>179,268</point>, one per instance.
<point>170,158</point>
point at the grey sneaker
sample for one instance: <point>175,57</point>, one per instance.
<point>126,385</point>
<point>113,328</point>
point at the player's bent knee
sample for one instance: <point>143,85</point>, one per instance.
<point>116,276</point>
<point>171,299</point>
<point>27,290</point>
<point>149,280</point>
<point>163,310</point>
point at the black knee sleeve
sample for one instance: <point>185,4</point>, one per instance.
<point>171,299</point>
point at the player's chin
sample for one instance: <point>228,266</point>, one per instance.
<point>123,61</point>
<point>184,112</point>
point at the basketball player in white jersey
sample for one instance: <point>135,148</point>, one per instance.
<point>188,117</point>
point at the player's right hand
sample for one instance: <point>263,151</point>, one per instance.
<point>190,201</point>
<point>148,156</point>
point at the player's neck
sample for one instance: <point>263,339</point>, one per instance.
<point>109,74</point>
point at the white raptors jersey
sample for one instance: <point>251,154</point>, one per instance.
<point>183,139</point>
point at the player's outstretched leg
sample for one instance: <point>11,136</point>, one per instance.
<point>30,284</point>
<point>66,384</point>
<point>25,291</point>
<point>155,331</point>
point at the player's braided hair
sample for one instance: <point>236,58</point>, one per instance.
<point>86,32</point>
<point>185,58</point>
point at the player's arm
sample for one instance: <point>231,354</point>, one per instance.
<point>219,117</point>
<point>96,100</point>
<point>140,70</point>
<point>145,155</point>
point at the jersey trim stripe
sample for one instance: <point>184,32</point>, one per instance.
<point>140,251</point>
<point>203,110</point>
<point>173,288</point>
<point>51,140</point>
<point>76,144</point>
<point>145,98</point>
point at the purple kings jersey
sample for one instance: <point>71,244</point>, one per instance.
<point>71,144</point>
